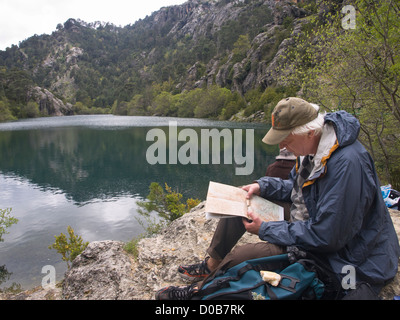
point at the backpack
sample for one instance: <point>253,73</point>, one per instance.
<point>244,281</point>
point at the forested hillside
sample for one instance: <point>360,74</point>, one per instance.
<point>141,68</point>
<point>218,59</point>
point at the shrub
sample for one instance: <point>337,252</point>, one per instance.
<point>168,206</point>
<point>6,221</point>
<point>69,248</point>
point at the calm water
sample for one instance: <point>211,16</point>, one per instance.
<point>88,172</point>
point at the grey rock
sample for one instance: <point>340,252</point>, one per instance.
<point>48,103</point>
<point>105,271</point>
<point>102,272</point>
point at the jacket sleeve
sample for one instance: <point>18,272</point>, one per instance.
<point>277,188</point>
<point>336,204</point>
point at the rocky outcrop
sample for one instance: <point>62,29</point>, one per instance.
<point>259,68</point>
<point>197,17</point>
<point>104,271</point>
<point>49,104</point>
<point>63,81</point>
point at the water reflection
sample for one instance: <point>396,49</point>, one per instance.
<point>92,163</point>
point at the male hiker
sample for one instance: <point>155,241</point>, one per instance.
<point>337,210</point>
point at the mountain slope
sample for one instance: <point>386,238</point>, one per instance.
<point>92,67</point>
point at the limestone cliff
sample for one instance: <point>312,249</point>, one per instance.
<point>48,103</point>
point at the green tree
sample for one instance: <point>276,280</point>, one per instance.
<point>163,104</point>
<point>357,70</point>
<point>240,48</point>
<point>69,247</point>
<point>188,101</point>
<point>168,204</point>
<point>137,106</point>
<point>214,99</point>
<point>17,85</point>
<point>5,113</point>
<point>79,108</point>
<point>120,108</point>
<point>30,110</point>
<point>6,221</point>
<point>233,106</point>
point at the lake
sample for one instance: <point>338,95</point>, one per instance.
<point>87,172</point>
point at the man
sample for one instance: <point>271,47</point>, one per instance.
<point>280,168</point>
<point>283,164</point>
<point>337,209</point>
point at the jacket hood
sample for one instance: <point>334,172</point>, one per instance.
<point>346,126</point>
<point>341,129</point>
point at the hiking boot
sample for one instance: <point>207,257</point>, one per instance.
<point>176,293</point>
<point>195,272</point>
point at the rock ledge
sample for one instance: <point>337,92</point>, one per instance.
<point>104,271</point>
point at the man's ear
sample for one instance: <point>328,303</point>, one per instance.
<point>311,134</point>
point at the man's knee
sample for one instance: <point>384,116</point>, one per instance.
<point>251,251</point>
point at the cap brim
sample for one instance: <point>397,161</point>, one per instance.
<point>275,136</point>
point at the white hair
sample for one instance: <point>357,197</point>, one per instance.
<point>315,125</point>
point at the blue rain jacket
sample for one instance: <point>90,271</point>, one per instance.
<point>348,223</point>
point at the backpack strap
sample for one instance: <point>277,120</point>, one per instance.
<point>312,262</point>
<point>215,286</point>
<point>292,286</point>
<point>271,294</point>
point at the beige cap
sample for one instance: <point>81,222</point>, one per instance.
<point>288,114</point>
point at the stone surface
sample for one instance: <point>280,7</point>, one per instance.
<point>48,103</point>
<point>105,271</point>
<point>102,272</point>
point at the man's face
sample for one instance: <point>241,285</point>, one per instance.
<point>300,145</point>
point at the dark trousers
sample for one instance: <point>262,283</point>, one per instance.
<point>226,235</point>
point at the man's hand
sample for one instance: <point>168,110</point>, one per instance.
<point>251,189</point>
<point>254,222</point>
<point>253,225</point>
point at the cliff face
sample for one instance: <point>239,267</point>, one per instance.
<point>104,271</point>
<point>48,103</point>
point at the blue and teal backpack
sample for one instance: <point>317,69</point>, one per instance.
<point>299,280</point>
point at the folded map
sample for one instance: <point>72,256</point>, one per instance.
<point>225,201</point>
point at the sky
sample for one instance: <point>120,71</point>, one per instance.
<point>21,19</point>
